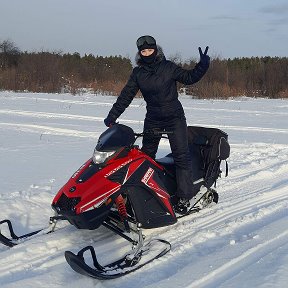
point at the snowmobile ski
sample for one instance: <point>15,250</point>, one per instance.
<point>13,240</point>
<point>123,266</point>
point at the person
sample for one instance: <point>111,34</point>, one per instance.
<point>157,80</point>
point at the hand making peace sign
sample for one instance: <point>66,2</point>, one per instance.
<point>204,58</point>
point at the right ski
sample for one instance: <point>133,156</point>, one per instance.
<point>123,266</point>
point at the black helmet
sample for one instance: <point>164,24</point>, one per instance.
<point>146,42</point>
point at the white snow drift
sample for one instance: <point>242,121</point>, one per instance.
<point>241,242</point>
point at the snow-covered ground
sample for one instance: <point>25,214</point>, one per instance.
<point>241,242</point>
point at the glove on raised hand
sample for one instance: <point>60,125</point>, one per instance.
<point>204,58</point>
<point>109,121</point>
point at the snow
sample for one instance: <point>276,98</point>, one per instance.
<point>240,242</point>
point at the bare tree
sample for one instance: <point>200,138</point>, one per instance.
<point>9,54</point>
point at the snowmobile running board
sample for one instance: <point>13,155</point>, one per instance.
<point>120,267</point>
<point>14,240</point>
<point>206,199</point>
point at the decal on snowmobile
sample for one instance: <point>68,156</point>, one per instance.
<point>117,168</point>
<point>78,171</point>
<point>147,175</point>
<point>103,198</point>
<point>132,168</point>
<point>152,184</point>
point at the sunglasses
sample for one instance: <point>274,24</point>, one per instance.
<point>148,39</point>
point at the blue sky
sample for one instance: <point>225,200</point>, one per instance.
<point>110,27</point>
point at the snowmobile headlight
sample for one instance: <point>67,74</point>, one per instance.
<point>100,157</point>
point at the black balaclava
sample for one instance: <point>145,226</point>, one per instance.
<point>151,58</point>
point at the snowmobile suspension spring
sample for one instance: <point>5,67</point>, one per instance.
<point>121,206</point>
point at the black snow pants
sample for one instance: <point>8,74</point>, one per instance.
<point>179,147</point>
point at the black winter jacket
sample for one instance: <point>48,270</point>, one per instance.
<point>157,83</point>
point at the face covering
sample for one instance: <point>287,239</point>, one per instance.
<point>149,59</point>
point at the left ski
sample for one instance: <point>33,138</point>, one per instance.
<point>13,240</point>
<point>127,264</point>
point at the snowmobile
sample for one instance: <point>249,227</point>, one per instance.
<point>126,191</point>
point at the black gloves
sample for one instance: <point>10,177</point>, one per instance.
<point>204,58</point>
<point>109,121</point>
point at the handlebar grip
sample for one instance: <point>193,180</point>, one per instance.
<point>157,132</point>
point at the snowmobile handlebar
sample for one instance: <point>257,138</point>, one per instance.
<point>154,132</point>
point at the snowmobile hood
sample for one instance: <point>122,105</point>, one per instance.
<point>115,137</point>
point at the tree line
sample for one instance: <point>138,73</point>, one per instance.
<point>55,72</point>
<point>254,77</point>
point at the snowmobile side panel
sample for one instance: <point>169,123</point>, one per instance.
<point>150,212</point>
<point>149,197</point>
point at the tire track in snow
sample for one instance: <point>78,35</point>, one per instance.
<point>235,265</point>
<point>244,128</point>
<point>40,254</point>
<point>50,115</point>
<point>204,237</point>
<point>263,170</point>
<point>48,130</point>
<point>96,102</point>
<point>75,102</point>
<point>36,253</point>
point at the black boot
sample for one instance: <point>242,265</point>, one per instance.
<point>182,206</point>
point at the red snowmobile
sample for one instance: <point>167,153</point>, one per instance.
<point>126,191</point>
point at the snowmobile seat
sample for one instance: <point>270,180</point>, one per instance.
<point>167,160</point>
<point>168,163</point>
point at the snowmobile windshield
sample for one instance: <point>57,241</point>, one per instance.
<point>115,137</point>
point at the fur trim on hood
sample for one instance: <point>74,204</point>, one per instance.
<point>159,57</point>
